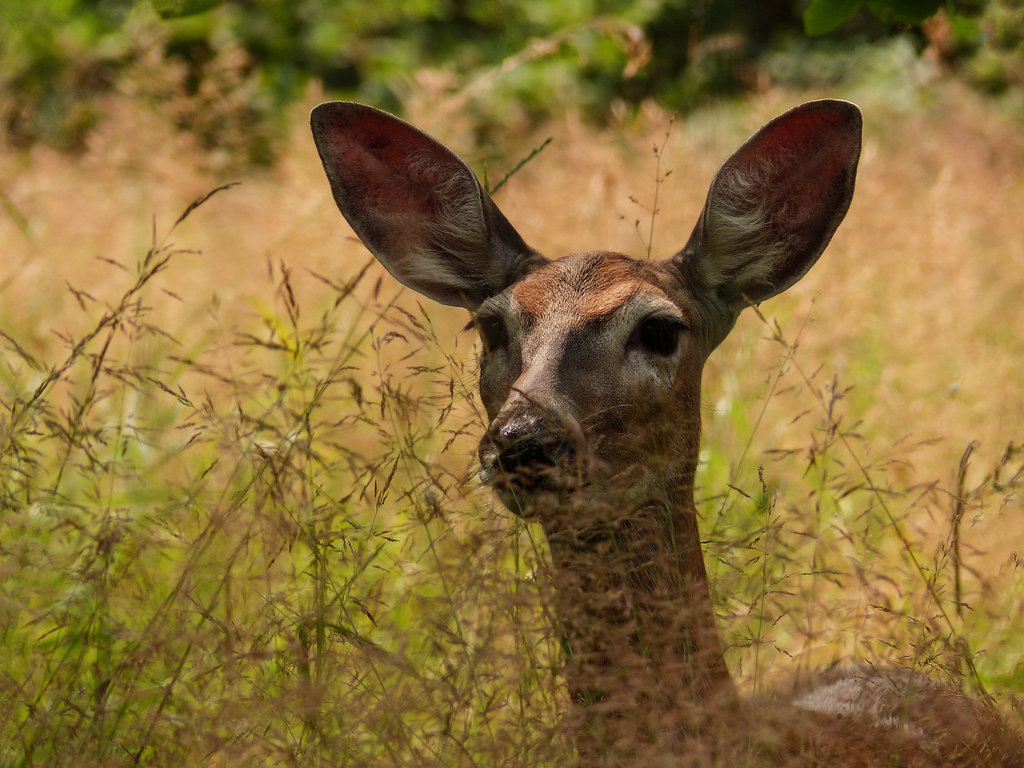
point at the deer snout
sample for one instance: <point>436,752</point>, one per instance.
<point>530,446</point>
<point>528,454</point>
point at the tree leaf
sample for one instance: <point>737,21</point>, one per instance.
<point>904,11</point>
<point>173,9</point>
<point>965,27</point>
<point>823,16</point>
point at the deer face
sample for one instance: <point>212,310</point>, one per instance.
<point>591,364</point>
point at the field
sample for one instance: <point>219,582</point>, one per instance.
<point>240,523</point>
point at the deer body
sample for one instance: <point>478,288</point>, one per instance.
<point>591,377</point>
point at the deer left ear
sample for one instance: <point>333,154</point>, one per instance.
<point>775,204</point>
<point>418,208</point>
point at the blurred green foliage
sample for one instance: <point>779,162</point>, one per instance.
<point>994,62</point>
<point>826,15</point>
<point>226,70</point>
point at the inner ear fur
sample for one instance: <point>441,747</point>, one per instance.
<point>774,205</point>
<point>417,206</point>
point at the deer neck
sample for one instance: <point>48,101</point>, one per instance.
<point>635,608</point>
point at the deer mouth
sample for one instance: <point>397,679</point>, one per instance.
<point>527,467</point>
<point>526,493</point>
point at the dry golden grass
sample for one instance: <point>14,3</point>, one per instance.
<point>916,306</point>
<point>922,280</point>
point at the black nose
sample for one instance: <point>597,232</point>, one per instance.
<point>530,446</point>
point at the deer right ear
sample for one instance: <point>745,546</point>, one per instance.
<point>775,204</point>
<point>418,208</point>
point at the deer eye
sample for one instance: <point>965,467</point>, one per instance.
<point>492,332</point>
<point>660,335</point>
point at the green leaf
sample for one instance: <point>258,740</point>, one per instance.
<point>823,16</point>
<point>904,11</point>
<point>173,9</point>
<point>964,27</point>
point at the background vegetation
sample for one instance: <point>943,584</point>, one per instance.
<point>225,70</point>
<point>238,518</point>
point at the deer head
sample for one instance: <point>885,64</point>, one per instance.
<point>591,364</point>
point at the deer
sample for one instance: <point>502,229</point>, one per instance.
<point>590,375</point>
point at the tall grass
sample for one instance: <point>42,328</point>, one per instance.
<point>257,539</point>
<point>856,563</point>
<point>247,554</point>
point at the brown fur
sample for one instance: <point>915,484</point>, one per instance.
<point>603,281</point>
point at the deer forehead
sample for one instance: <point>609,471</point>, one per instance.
<point>590,288</point>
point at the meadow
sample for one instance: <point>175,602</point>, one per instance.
<point>239,518</point>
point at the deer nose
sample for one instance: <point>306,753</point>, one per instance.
<point>530,445</point>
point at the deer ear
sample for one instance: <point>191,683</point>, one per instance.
<point>417,207</point>
<point>775,204</point>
